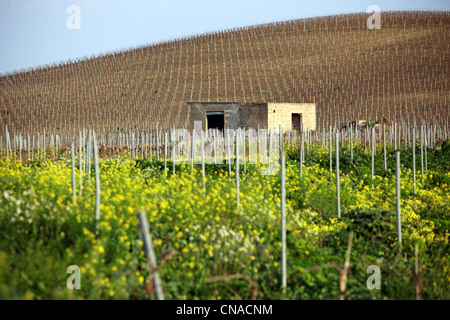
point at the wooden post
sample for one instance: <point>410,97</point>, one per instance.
<point>343,276</point>
<point>150,254</point>
<point>417,272</point>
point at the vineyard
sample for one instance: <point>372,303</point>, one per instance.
<point>223,230</point>
<point>98,172</point>
<point>399,71</point>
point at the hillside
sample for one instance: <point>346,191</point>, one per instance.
<point>400,71</point>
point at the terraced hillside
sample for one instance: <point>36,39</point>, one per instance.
<point>400,71</point>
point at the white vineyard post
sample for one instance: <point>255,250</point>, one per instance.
<point>20,148</point>
<point>373,154</point>
<point>301,154</point>
<point>203,164</point>
<point>80,160</point>
<point>173,150</point>
<point>43,145</point>
<point>414,158</point>
<point>7,142</point>
<point>97,182</point>
<point>151,146</point>
<point>395,136</point>
<point>384,147</point>
<point>399,220</point>
<point>28,147</point>
<point>351,143</point>
<point>283,220</point>
<point>338,191</point>
<point>72,157</point>
<point>192,151</point>
<point>243,148</point>
<point>331,151</point>
<point>229,155</point>
<point>157,144</point>
<point>214,135</point>
<point>165,152</point>
<point>421,152</point>
<point>425,151</point>
<point>236,137</point>
<point>269,151</point>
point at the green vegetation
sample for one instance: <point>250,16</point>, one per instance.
<point>209,251</point>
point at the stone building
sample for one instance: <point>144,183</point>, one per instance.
<point>266,115</point>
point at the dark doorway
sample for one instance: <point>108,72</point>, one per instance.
<point>296,121</point>
<point>215,120</point>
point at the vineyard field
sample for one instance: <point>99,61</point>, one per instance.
<point>352,73</point>
<point>206,247</point>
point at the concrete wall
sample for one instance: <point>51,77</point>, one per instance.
<point>280,114</point>
<point>253,115</point>
<point>197,112</point>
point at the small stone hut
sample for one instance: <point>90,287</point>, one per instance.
<point>267,115</point>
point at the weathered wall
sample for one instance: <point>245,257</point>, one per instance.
<point>197,112</point>
<point>280,114</point>
<point>253,116</point>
